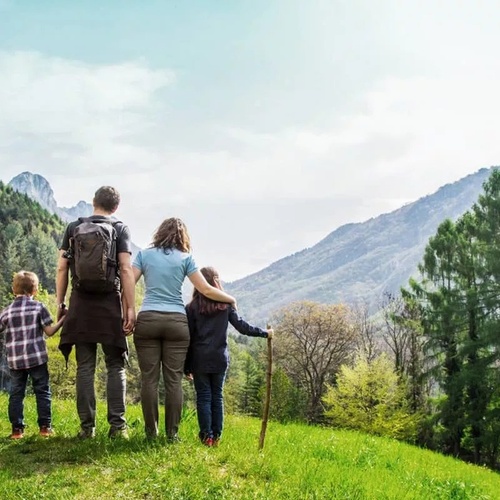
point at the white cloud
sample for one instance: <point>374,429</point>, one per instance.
<point>83,125</point>
<point>427,131</point>
<point>75,119</point>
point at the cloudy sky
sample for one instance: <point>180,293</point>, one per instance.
<point>264,124</point>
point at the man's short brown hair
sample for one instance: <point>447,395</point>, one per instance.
<point>25,283</point>
<point>107,198</point>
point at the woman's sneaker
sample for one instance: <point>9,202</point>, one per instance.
<point>46,431</point>
<point>17,433</point>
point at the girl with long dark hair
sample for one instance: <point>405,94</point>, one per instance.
<point>208,356</point>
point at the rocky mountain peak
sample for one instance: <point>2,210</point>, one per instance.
<point>37,188</point>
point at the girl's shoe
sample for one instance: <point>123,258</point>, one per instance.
<point>208,442</point>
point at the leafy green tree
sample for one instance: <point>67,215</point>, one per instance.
<point>29,238</point>
<point>288,401</point>
<point>245,377</point>
<point>250,401</point>
<point>370,397</point>
<point>369,344</point>
<point>459,298</point>
<point>470,279</point>
<point>312,341</point>
<point>404,337</point>
<point>442,321</point>
<point>41,254</point>
<point>481,277</point>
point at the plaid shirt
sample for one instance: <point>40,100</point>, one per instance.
<point>22,323</point>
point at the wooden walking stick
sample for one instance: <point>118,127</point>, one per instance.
<point>267,401</point>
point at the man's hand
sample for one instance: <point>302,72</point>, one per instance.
<point>61,311</point>
<point>270,333</point>
<point>129,320</point>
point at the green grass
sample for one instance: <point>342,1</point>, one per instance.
<point>298,462</point>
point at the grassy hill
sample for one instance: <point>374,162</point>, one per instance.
<point>298,462</point>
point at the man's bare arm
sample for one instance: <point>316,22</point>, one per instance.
<point>128,291</point>
<point>61,282</point>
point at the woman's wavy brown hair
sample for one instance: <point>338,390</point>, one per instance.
<point>172,233</point>
<point>202,304</point>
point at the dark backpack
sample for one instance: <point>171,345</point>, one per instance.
<point>94,258</point>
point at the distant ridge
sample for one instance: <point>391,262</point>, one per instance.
<point>357,263</point>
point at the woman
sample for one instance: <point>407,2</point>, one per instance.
<point>161,333</point>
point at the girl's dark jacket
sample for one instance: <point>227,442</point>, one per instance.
<point>208,351</point>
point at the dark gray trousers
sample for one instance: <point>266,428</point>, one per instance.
<point>115,385</point>
<point>161,341</point>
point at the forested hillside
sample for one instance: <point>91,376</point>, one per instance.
<point>29,238</point>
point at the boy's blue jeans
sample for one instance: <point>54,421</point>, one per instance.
<point>40,379</point>
<point>209,403</point>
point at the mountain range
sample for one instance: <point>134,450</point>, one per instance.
<point>355,263</point>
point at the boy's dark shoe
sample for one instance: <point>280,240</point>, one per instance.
<point>86,434</point>
<point>46,431</point>
<point>17,434</point>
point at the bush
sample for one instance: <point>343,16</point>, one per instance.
<point>370,397</point>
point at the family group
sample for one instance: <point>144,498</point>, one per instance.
<point>170,337</point>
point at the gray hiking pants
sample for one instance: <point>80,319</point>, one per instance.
<point>161,340</point>
<point>115,385</point>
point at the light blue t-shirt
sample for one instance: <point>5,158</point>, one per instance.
<point>164,272</point>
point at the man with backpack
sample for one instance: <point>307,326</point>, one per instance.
<point>96,251</point>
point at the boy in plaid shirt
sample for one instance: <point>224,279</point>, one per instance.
<point>23,323</point>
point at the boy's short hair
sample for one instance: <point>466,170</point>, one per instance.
<point>107,198</point>
<point>25,283</point>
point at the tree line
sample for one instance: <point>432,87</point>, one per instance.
<point>457,300</point>
<point>29,238</point>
